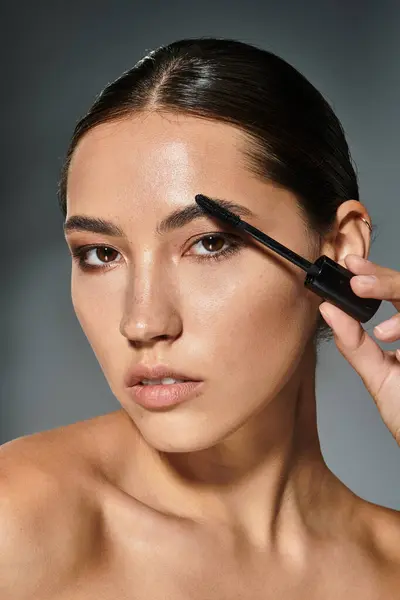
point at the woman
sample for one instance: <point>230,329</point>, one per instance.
<point>224,493</point>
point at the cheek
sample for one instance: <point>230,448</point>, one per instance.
<point>98,314</point>
<point>257,322</point>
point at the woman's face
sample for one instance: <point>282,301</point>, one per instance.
<point>239,321</point>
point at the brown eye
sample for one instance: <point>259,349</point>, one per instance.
<point>94,257</point>
<point>215,246</point>
<point>105,254</point>
<point>209,243</point>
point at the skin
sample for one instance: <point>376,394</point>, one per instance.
<point>241,461</point>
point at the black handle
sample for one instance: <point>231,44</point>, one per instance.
<point>332,283</point>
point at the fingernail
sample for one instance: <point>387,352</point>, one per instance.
<point>326,316</point>
<point>366,279</point>
<point>385,327</point>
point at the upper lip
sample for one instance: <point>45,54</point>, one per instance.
<point>142,371</point>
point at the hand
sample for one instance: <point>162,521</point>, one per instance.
<point>379,369</point>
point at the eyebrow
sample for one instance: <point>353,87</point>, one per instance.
<point>175,220</point>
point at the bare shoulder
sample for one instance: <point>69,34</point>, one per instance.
<point>49,512</point>
<point>64,460</point>
<point>80,449</point>
<point>383,526</point>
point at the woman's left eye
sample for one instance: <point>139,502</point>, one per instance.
<point>213,247</point>
<point>211,244</point>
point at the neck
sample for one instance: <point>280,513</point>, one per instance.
<point>267,479</point>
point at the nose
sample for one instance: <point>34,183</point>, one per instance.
<point>151,310</point>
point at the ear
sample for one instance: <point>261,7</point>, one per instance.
<point>350,235</point>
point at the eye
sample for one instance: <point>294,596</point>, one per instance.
<point>213,246</point>
<point>105,255</point>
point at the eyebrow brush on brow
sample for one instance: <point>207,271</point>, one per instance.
<point>325,277</point>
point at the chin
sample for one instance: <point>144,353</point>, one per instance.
<point>165,433</point>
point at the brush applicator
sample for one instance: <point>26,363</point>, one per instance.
<point>325,277</point>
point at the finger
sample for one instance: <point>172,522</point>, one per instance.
<point>395,354</point>
<point>384,285</point>
<point>361,351</point>
<point>389,330</point>
<point>363,266</point>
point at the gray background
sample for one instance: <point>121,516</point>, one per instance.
<point>56,57</point>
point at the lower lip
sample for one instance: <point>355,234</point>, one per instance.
<point>161,396</point>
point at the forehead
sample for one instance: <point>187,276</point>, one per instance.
<point>168,136</point>
<point>152,152</point>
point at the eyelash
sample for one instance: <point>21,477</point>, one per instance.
<point>79,254</point>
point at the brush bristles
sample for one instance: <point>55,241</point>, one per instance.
<point>217,210</point>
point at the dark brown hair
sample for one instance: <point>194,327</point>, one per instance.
<point>295,139</point>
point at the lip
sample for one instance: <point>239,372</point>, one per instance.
<point>142,371</point>
<point>163,396</point>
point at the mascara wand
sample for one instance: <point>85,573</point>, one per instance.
<point>324,277</point>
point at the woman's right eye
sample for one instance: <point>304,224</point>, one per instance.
<point>105,255</point>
